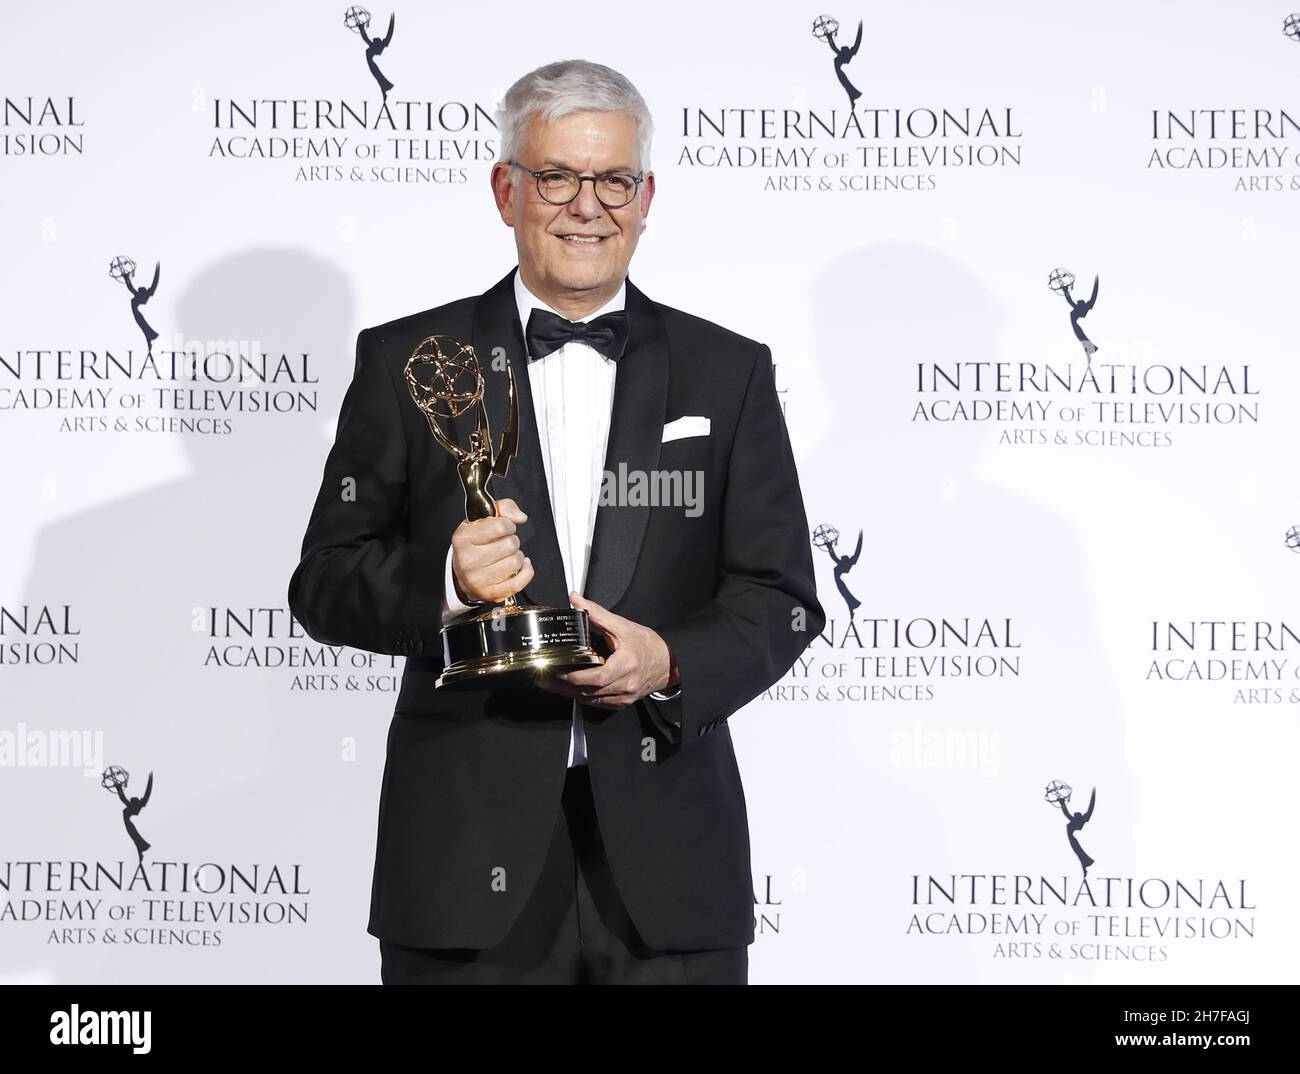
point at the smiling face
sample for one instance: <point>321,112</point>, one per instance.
<point>574,257</point>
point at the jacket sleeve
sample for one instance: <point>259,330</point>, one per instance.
<point>361,582</point>
<point>764,611</point>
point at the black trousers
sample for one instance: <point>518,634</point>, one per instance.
<point>574,929</point>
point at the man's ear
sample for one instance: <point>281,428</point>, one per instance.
<point>649,192</point>
<point>503,192</point>
<point>646,196</point>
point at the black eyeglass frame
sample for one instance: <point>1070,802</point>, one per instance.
<point>637,180</point>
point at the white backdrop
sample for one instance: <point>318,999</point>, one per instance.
<point>896,789</point>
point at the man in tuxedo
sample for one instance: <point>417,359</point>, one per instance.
<point>588,827</point>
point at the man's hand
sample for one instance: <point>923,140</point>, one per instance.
<point>486,563</point>
<point>639,663</point>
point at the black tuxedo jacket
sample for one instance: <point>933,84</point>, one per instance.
<point>473,777</point>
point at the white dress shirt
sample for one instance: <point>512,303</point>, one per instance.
<point>573,393</point>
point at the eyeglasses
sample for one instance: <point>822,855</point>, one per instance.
<point>559,186</point>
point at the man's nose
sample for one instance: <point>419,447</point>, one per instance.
<point>586,204</point>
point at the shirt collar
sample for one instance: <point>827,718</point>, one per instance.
<point>525,300</point>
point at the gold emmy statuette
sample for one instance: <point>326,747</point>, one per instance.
<point>506,639</point>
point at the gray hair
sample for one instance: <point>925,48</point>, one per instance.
<point>562,88</point>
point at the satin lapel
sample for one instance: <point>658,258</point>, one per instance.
<point>496,324</point>
<point>636,428</point>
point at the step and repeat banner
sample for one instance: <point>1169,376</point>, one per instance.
<point>1027,275</point>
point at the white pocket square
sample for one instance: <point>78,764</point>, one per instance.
<point>691,425</point>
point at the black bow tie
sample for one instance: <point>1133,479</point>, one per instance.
<point>549,332</point>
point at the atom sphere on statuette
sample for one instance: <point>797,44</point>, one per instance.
<point>455,382</point>
<point>1060,279</point>
<point>114,776</point>
<point>356,19</point>
<point>825,535</point>
<point>825,26</point>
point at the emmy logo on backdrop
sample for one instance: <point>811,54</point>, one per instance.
<point>508,639</point>
<point>825,536</point>
<point>1061,280</point>
<point>824,29</point>
<point>1291,26</point>
<point>357,19</point>
<point>1058,794</point>
<point>123,268</point>
<point>1293,538</point>
<point>114,779</point>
